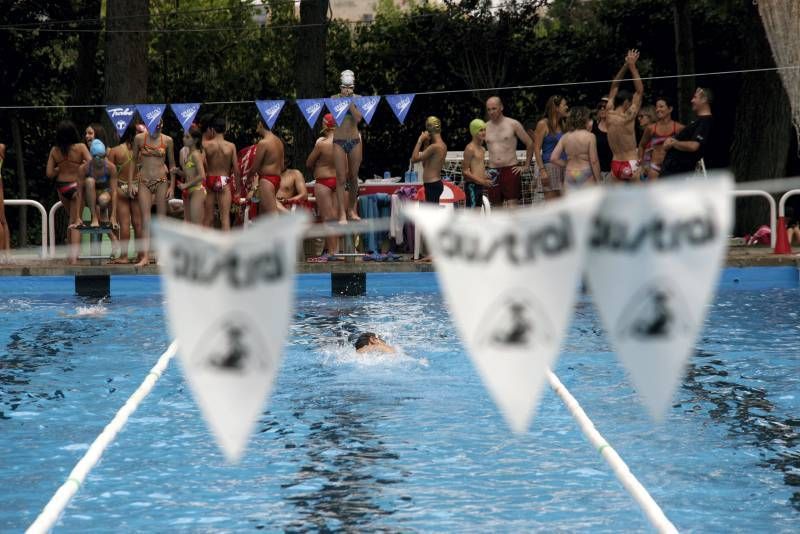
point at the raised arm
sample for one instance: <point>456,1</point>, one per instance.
<point>630,60</point>
<point>418,155</point>
<point>615,85</point>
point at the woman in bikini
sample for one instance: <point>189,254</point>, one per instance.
<point>63,164</point>
<point>153,185</point>
<point>128,211</point>
<point>654,136</point>
<point>580,145</point>
<point>194,173</point>
<point>347,152</point>
<point>321,163</point>
<point>547,134</point>
<point>5,234</point>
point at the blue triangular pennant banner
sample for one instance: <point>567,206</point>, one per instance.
<point>151,115</point>
<point>121,116</point>
<point>270,109</point>
<point>185,113</point>
<point>338,108</point>
<point>367,106</point>
<point>311,108</point>
<point>400,104</point>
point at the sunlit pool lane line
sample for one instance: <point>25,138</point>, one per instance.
<point>52,511</point>
<point>649,506</point>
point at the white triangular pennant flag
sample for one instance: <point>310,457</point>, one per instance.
<point>510,282</point>
<point>654,259</point>
<point>229,303</point>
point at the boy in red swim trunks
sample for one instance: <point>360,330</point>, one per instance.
<point>222,167</point>
<point>267,165</point>
<point>621,110</point>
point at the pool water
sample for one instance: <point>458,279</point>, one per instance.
<point>395,444</point>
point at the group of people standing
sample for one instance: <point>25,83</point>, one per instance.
<point>569,147</point>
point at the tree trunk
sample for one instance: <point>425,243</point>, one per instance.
<point>762,136</point>
<point>22,180</point>
<point>126,53</point>
<point>310,54</point>
<point>684,57</point>
<point>86,74</point>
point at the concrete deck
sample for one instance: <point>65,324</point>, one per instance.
<point>737,257</point>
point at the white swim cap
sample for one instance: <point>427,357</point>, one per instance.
<point>347,78</point>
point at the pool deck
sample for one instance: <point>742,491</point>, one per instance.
<point>738,256</point>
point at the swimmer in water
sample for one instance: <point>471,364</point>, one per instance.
<point>370,342</point>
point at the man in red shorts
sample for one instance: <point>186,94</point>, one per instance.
<point>502,134</point>
<point>221,169</point>
<point>621,110</point>
<point>268,164</point>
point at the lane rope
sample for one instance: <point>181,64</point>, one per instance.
<point>59,501</point>
<point>652,511</point>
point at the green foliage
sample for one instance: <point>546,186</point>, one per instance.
<point>469,46</point>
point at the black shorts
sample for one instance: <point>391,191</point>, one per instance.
<point>474,194</point>
<point>433,191</point>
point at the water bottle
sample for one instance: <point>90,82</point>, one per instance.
<point>386,175</point>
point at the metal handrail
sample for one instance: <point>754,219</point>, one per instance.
<point>42,212</point>
<point>771,200</point>
<point>51,224</point>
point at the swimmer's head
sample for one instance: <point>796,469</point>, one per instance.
<point>347,79</point>
<point>433,125</point>
<point>476,126</point>
<point>365,340</point>
<point>328,122</point>
<point>98,149</point>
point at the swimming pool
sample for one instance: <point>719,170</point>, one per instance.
<point>412,444</point>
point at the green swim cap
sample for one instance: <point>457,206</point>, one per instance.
<point>476,125</point>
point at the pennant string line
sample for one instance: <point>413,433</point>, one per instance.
<point>469,90</point>
<point>52,511</point>
<point>655,515</point>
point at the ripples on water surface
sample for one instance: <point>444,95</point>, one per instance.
<point>395,444</point>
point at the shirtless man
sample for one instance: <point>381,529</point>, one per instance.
<point>502,134</point>
<point>321,163</point>
<point>474,166</point>
<point>267,165</point>
<point>621,110</point>
<point>432,158</point>
<point>292,189</point>
<point>221,169</point>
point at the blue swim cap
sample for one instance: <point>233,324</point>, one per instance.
<point>97,148</point>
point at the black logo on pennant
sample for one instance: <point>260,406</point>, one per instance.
<point>233,344</point>
<point>656,312</point>
<point>516,321</point>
